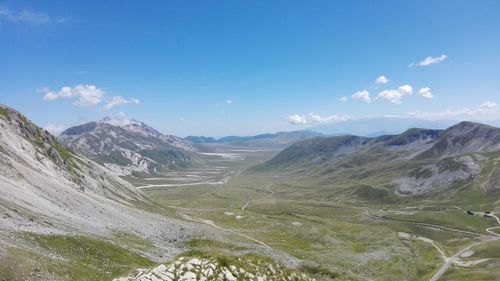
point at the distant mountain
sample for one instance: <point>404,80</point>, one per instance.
<point>374,127</point>
<point>276,139</point>
<point>200,139</point>
<point>128,147</point>
<point>418,161</point>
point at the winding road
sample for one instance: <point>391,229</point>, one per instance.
<point>449,261</point>
<point>212,224</point>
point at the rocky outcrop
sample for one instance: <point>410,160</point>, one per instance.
<point>192,269</point>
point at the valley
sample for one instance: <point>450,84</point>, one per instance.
<point>421,205</point>
<point>346,235</point>
<point>249,140</point>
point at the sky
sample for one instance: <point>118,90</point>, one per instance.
<point>244,67</point>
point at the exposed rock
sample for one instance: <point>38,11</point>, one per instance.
<point>439,175</point>
<point>211,269</point>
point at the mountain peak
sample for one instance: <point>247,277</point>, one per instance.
<point>468,125</point>
<point>126,145</point>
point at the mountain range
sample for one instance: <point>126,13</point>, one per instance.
<point>416,162</point>
<point>280,139</point>
<point>378,126</point>
<point>67,192</point>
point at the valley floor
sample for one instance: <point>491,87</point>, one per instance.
<point>327,236</point>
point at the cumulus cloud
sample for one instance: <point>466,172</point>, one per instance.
<point>430,60</point>
<point>382,80</point>
<point>301,119</point>
<point>363,96</point>
<point>117,120</point>
<point>314,118</point>
<point>343,99</point>
<point>486,110</point>
<point>297,119</point>
<point>119,100</point>
<point>395,96</point>
<point>426,93</point>
<point>85,95</point>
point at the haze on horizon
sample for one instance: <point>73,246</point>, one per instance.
<point>242,68</point>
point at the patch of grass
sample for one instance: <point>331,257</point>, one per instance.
<point>213,244</point>
<point>319,271</point>
<point>4,112</point>
<point>64,152</point>
<point>133,241</point>
<point>85,258</point>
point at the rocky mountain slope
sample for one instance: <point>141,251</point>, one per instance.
<point>45,188</point>
<point>417,161</point>
<point>128,147</point>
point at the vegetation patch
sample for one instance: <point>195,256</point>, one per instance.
<point>83,257</point>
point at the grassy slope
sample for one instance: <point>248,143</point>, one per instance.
<point>70,258</point>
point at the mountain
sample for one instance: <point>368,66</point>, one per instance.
<point>47,189</point>
<point>418,161</point>
<point>127,147</point>
<point>466,137</point>
<point>279,139</point>
<point>200,139</point>
<point>373,127</point>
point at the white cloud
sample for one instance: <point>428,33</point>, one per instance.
<point>382,80</point>
<point>488,105</point>
<point>430,60</point>
<point>229,102</point>
<point>119,100</point>
<point>117,120</point>
<point>23,16</point>
<point>55,129</point>
<point>314,118</point>
<point>301,119</point>
<point>395,96</point>
<point>426,93</point>
<point>86,95</point>
<point>488,110</point>
<point>363,96</point>
<point>297,119</point>
<point>343,99</point>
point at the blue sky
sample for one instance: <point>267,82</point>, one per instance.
<point>244,67</point>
